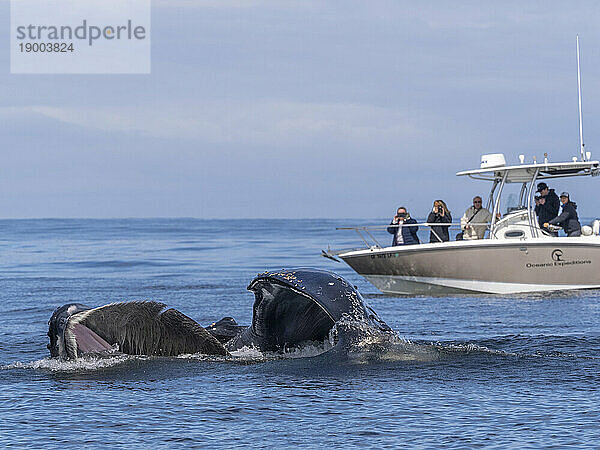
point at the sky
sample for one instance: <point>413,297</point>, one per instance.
<point>304,109</point>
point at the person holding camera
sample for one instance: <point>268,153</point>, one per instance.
<point>403,235</point>
<point>439,214</point>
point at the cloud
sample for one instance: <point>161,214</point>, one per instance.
<point>267,123</point>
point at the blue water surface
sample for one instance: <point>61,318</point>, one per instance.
<point>519,371</point>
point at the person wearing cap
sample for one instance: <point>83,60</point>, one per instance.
<point>547,206</point>
<point>568,219</point>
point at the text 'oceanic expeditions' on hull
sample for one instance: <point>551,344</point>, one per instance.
<point>557,263</point>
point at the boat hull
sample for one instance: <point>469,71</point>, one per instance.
<point>490,266</point>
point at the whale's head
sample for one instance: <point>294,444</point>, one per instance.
<point>300,305</point>
<point>57,326</point>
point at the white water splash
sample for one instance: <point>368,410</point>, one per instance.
<point>84,363</point>
<point>364,344</point>
<point>469,347</point>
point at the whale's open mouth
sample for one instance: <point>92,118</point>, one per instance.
<point>300,305</point>
<point>284,316</point>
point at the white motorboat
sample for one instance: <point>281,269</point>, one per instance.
<point>516,255</point>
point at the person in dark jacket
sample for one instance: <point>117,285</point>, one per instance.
<point>403,235</point>
<point>568,219</point>
<point>542,213</point>
<point>548,204</point>
<point>439,214</point>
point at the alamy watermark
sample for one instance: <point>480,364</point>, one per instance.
<point>80,36</point>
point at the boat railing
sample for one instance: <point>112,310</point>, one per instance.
<point>364,232</point>
<point>366,235</point>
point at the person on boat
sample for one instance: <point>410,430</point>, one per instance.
<point>548,205</point>
<point>479,216</point>
<point>403,235</point>
<point>542,214</point>
<point>568,219</point>
<point>439,214</point>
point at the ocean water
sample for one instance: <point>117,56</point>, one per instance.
<point>467,371</point>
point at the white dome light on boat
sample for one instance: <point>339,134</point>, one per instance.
<point>492,160</point>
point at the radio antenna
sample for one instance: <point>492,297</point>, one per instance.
<point>581,144</point>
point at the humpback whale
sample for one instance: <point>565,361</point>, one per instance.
<point>291,307</point>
